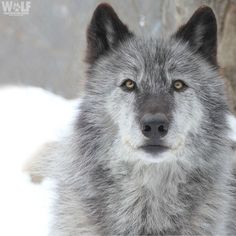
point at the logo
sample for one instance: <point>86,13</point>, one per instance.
<point>19,8</point>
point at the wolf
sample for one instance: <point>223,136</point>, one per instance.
<point>149,153</point>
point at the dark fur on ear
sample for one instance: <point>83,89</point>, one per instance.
<point>201,33</point>
<point>105,31</point>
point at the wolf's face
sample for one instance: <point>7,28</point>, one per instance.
<point>156,93</point>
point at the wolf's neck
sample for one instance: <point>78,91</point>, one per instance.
<point>136,193</point>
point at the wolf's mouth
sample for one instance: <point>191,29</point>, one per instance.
<point>154,149</point>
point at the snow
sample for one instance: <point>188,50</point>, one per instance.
<point>29,118</point>
<point>232,122</point>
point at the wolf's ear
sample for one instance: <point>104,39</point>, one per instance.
<point>201,33</point>
<point>104,32</point>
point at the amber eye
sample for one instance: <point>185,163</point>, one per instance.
<point>179,85</point>
<point>128,85</point>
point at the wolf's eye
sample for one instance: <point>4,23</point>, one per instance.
<point>128,85</point>
<point>179,85</point>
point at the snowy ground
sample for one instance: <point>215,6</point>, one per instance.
<point>232,122</point>
<point>29,118</point>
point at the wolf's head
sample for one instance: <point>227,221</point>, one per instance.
<point>154,96</point>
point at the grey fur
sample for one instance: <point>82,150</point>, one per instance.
<point>108,186</point>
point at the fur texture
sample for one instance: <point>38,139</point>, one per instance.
<point>107,183</point>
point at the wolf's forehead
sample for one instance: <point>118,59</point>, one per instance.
<point>159,61</point>
<point>149,60</point>
<point>147,53</point>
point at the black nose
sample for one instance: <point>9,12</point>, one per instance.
<point>154,125</point>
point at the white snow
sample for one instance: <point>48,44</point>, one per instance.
<point>232,122</point>
<point>29,117</point>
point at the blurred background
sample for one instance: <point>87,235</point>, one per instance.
<point>46,47</point>
<point>42,75</point>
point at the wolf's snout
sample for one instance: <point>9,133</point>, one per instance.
<point>154,125</point>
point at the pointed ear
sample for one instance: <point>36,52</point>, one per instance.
<point>201,33</point>
<point>104,32</point>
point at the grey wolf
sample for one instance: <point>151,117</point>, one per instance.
<point>150,152</point>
